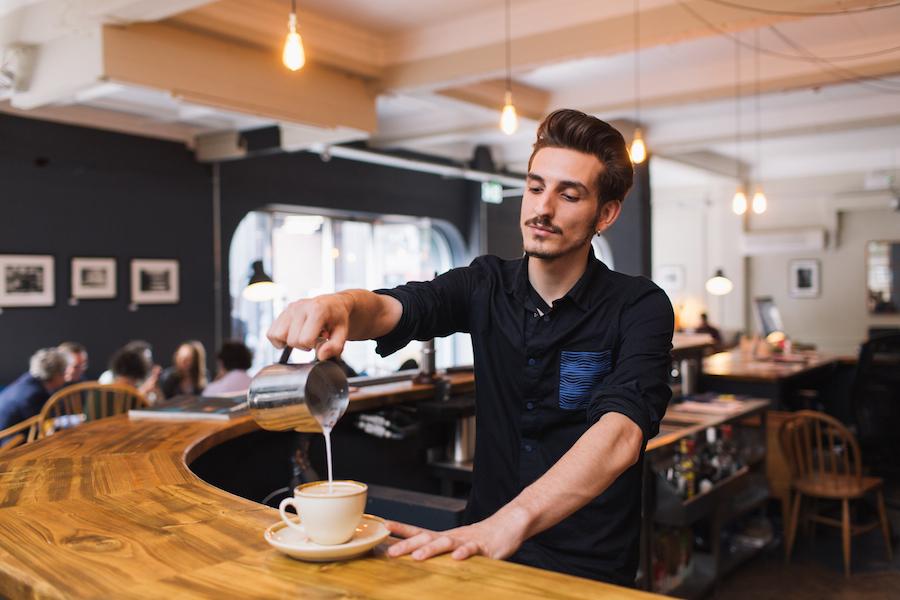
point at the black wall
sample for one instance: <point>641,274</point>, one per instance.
<point>71,191</point>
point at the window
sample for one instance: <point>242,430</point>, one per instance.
<point>311,254</point>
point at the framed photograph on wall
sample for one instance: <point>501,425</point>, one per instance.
<point>93,278</point>
<point>154,281</point>
<point>26,280</point>
<point>804,278</point>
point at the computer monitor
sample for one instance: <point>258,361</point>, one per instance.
<point>769,317</point>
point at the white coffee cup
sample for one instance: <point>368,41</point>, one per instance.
<point>329,512</point>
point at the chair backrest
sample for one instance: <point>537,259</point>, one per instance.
<point>817,446</point>
<point>876,390</point>
<point>86,402</point>
<point>18,434</point>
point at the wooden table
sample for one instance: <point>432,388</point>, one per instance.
<point>110,509</point>
<point>773,378</point>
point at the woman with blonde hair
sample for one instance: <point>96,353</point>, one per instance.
<point>187,375</point>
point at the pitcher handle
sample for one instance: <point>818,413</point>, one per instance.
<point>286,353</point>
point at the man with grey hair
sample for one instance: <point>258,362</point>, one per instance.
<point>25,396</point>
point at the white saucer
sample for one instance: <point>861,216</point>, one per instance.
<point>370,532</point>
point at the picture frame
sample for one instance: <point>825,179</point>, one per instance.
<point>93,278</point>
<point>154,281</point>
<point>804,278</point>
<point>670,277</point>
<point>27,280</point>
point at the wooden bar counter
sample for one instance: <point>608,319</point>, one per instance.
<point>110,509</point>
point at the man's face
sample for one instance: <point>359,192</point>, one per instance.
<point>559,207</point>
<point>78,364</point>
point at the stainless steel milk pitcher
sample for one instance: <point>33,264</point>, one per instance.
<point>283,396</point>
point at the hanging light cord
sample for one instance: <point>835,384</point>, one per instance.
<point>737,109</point>
<point>802,57</point>
<point>756,103</point>
<point>637,62</point>
<point>794,13</point>
<point>882,84</point>
<point>508,51</point>
<point>293,7</point>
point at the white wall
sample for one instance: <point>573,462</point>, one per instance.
<point>693,226</point>
<point>837,321</point>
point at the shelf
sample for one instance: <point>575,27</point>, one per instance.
<point>672,510</point>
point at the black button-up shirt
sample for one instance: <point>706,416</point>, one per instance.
<point>544,375</point>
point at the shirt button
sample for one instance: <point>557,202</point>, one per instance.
<point>531,362</point>
<point>529,405</point>
<point>527,447</point>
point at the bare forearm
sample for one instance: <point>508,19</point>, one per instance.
<point>597,459</point>
<point>371,315</point>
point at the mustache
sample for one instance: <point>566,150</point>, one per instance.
<point>543,222</point>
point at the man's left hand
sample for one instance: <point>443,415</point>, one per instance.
<point>495,537</point>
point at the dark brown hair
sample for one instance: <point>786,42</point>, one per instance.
<point>574,130</point>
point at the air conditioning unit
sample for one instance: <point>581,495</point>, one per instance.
<point>783,241</point>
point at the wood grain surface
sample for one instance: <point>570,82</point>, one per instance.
<point>110,509</point>
<point>736,366</point>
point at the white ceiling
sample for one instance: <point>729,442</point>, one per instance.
<point>816,116</point>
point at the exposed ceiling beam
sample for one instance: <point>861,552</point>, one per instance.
<point>263,23</point>
<point>711,162</point>
<point>667,24</point>
<point>213,72</point>
<point>530,102</point>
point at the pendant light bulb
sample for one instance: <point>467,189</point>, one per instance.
<point>293,55</point>
<point>739,202</point>
<point>760,203</point>
<point>638,150</point>
<point>509,120</point>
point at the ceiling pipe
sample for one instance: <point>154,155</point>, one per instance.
<point>387,160</point>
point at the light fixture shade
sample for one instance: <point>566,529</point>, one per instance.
<point>509,120</point>
<point>760,203</point>
<point>739,202</point>
<point>638,150</point>
<point>293,55</point>
<point>260,287</point>
<point>718,284</point>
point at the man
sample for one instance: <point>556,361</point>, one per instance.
<point>25,396</point>
<point>78,361</point>
<point>571,363</point>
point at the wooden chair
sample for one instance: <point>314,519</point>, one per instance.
<point>825,464</point>
<point>88,401</point>
<point>18,434</point>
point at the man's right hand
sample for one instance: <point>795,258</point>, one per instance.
<point>304,322</point>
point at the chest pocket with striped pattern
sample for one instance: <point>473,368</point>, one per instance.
<point>579,374</point>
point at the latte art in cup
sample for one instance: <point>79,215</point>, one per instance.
<point>329,511</point>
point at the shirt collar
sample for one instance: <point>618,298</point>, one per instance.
<point>581,294</point>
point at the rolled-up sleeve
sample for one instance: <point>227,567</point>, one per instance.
<point>431,309</point>
<point>638,385</point>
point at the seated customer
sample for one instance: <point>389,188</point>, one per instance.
<point>187,375</point>
<point>131,365</point>
<point>78,361</point>
<point>234,358</point>
<point>26,396</point>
